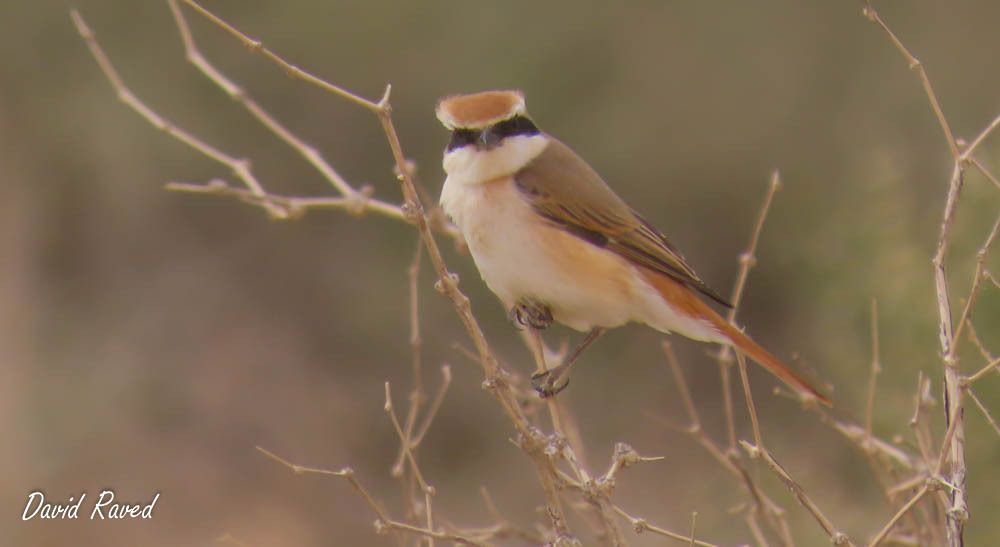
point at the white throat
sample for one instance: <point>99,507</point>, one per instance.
<point>469,165</point>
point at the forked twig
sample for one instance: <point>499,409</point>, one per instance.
<point>916,65</point>
<point>195,57</point>
<point>408,450</point>
<point>239,167</point>
<point>384,523</point>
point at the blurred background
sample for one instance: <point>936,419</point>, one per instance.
<point>151,339</point>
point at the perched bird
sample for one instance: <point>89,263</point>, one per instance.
<point>555,243</point>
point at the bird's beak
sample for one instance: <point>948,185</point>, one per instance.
<point>488,140</point>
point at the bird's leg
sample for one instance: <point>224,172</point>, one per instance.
<point>533,337</point>
<point>528,312</point>
<point>535,316</point>
<point>546,383</point>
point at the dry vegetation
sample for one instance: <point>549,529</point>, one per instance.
<point>924,480</point>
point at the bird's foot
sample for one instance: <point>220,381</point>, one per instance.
<point>529,312</point>
<point>547,383</point>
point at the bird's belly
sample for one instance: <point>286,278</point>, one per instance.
<point>520,255</point>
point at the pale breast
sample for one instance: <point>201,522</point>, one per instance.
<point>520,255</point>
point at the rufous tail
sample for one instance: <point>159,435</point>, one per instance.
<point>684,300</point>
<point>753,350</point>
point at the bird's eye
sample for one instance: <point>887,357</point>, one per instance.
<point>462,137</point>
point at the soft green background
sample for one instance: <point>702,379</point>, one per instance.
<point>150,339</point>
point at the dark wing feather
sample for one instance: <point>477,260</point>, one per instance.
<point>589,209</point>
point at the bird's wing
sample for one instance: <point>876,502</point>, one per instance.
<point>589,209</point>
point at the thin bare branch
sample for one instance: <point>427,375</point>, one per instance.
<point>357,204</point>
<point>755,529</point>
<point>749,257</point>
<point>416,342</point>
<point>427,490</point>
<point>916,65</point>
<point>986,172</point>
<point>984,410</point>
<point>417,396</point>
<point>640,525</point>
<point>977,279</point>
<point>989,275</point>
<point>502,528</point>
<point>895,518</point>
<point>876,369</point>
<point>239,167</point>
<point>390,409</point>
<point>774,515</point>
<point>435,405</point>
<point>694,520</point>
<point>714,450</point>
<point>967,152</point>
<point>682,386</point>
<point>384,523</point>
<point>909,484</point>
<point>974,338</point>
<point>239,95</point>
<point>751,407</point>
<point>758,452</point>
<point>293,71</point>
<point>918,422</point>
<point>992,365</point>
<point>747,260</point>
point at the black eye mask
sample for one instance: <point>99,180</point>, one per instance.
<point>490,137</point>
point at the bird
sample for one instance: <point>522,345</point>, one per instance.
<point>555,243</point>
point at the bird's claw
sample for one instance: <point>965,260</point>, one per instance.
<point>545,382</point>
<point>530,313</point>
